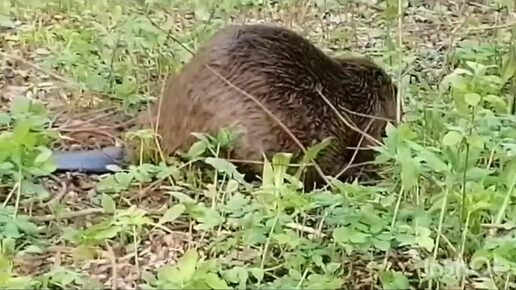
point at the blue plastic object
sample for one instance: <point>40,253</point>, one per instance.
<point>89,161</point>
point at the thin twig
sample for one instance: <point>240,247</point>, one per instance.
<point>349,123</point>
<point>68,215</point>
<point>306,229</point>
<point>114,266</point>
<point>267,111</point>
<point>87,130</point>
<point>60,195</point>
<point>348,166</point>
<point>86,212</point>
<point>168,33</point>
<point>366,115</point>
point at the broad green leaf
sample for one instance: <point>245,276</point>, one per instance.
<point>280,162</point>
<point>410,168</point>
<point>225,166</point>
<point>313,151</point>
<point>311,154</point>
<point>509,65</point>
<point>187,265</point>
<point>499,104</point>
<point>48,167</point>
<point>107,233</point>
<point>455,81</point>
<point>452,138</point>
<point>232,186</point>
<point>11,230</point>
<point>394,280</point>
<point>478,68</point>
<point>44,154</point>
<point>231,275</point>
<point>215,282</point>
<point>33,249</point>
<point>202,13</point>
<point>476,141</point>
<point>267,173</point>
<point>5,119</point>
<point>5,166</point>
<point>26,226</point>
<point>108,204</point>
<point>197,149</point>
<point>169,273</point>
<point>341,235</point>
<point>172,213</point>
<point>209,219</point>
<point>381,245</point>
<point>477,173</point>
<point>226,136</point>
<point>183,198</point>
<point>257,273</point>
<point>20,105</point>
<point>21,134</point>
<point>423,238</point>
<point>472,99</point>
<point>433,161</point>
<point>358,237</point>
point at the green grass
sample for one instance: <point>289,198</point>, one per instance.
<point>441,217</point>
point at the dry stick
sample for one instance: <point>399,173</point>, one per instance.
<point>400,53</point>
<point>79,128</point>
<point>349,123</point>
<point>257,162</point>
<point>68,215</point>
<point>66,124</point>
<point>73,128</point>
<point>160,150</point>
<point>306,229</point>
<point>86,130</point>
<point>89,121</point>
<point>156,141</point>
<point>54,119</point>
<point>96,111</point>
<point>85,212</point>
<point>168,33</point>
<point>162,91</point>
<point>304,10</point>
<point>114,270</point>
<point>352,126</point>
<point>272,116</point>
<point>365,115</point>
<point>142,192</point>
<point>60,195</point>
<point>354,153</point>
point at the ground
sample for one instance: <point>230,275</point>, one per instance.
<point>74,73</point>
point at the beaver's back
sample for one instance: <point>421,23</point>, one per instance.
<point>283,71</point>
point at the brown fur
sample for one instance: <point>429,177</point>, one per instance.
<point>283,71</point>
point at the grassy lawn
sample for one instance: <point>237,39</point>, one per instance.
<point>442,215</point>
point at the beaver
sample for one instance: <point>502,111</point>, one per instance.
<point>270,83</point>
